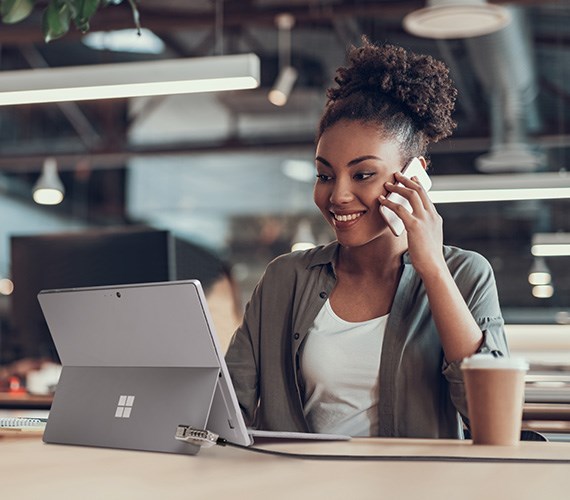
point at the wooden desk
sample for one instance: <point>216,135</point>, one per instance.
<point>31,469</point>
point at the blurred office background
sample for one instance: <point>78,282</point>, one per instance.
<point>226,177</point>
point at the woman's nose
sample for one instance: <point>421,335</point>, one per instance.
<point>341,193</point>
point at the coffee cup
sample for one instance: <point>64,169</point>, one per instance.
<point>494,388</point>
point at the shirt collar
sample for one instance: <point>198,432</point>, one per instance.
<point>324,255</point>
<point>327,255</point>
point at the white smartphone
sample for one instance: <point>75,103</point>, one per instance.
<point>412,169</point>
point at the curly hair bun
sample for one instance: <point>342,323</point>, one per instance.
<point>418,84</point>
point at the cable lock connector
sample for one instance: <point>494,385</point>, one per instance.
<point>206,439</point>
<point>203,438</point>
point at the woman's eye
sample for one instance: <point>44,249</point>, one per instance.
<point>363,176</point>
<point>323,177</point>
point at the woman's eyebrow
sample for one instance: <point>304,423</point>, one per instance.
<point>320,159</point>
<point>351,163</point>
<point>363,158</point>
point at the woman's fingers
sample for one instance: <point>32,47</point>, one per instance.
<point>398,208</point>
<point>412,190</point>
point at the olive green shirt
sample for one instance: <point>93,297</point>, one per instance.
<point>421,395</point>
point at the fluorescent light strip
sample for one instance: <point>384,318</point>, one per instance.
<point>150,78</point>
<point>127,90</point>
<point>499,187</point>
<point>480,195</point>
<point>550,244</point>
<point>550,249</point>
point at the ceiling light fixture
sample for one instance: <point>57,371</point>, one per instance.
<point>133,79</point>
<point>299,170</point>
<point>506,187</point>
<point>550,245</point>
<point>304,238</point>
<point>142,41</point>
<point>6,286</point>
<point>443,19</point>
<point>48,189</point>
<point>281,90</point>
<point>539,273</point>
<point>543,291</point>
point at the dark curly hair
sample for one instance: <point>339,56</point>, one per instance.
<point>408,96</point>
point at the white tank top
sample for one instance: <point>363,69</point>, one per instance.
<point>340,366</point>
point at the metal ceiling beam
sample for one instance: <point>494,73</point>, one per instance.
<point>78,120</point>
<point>113,158</point>
<point>235,14</point>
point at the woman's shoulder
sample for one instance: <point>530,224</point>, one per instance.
<point>460,259</point>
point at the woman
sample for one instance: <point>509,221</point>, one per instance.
<point>365,336</point>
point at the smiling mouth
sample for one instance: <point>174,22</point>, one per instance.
<point>346,217</point>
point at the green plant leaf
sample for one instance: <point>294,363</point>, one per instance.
<point>56,20</point>
<point>14,11</point>
<point>87,8</point>
<point>84,9</point>
<point>72,5</point>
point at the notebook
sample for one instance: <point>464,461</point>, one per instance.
<point>21,426</point>
<point>139,360</point>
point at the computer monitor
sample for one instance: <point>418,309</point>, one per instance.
<point>78,259</point>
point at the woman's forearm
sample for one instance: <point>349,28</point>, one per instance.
<point>459,333</point>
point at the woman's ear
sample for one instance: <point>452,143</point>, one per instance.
<point>423,162</point>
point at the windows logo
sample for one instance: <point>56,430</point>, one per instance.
<point>125,406</point>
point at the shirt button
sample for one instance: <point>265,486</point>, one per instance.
<point>323,295</point>
<point>296,336</point>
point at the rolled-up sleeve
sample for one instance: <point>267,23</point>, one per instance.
<point>476,281</point>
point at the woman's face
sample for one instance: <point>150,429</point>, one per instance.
<point>353,162</point>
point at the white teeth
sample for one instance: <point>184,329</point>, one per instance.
<point>346,218</point>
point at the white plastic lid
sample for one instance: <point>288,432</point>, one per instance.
<point>490,361</point>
